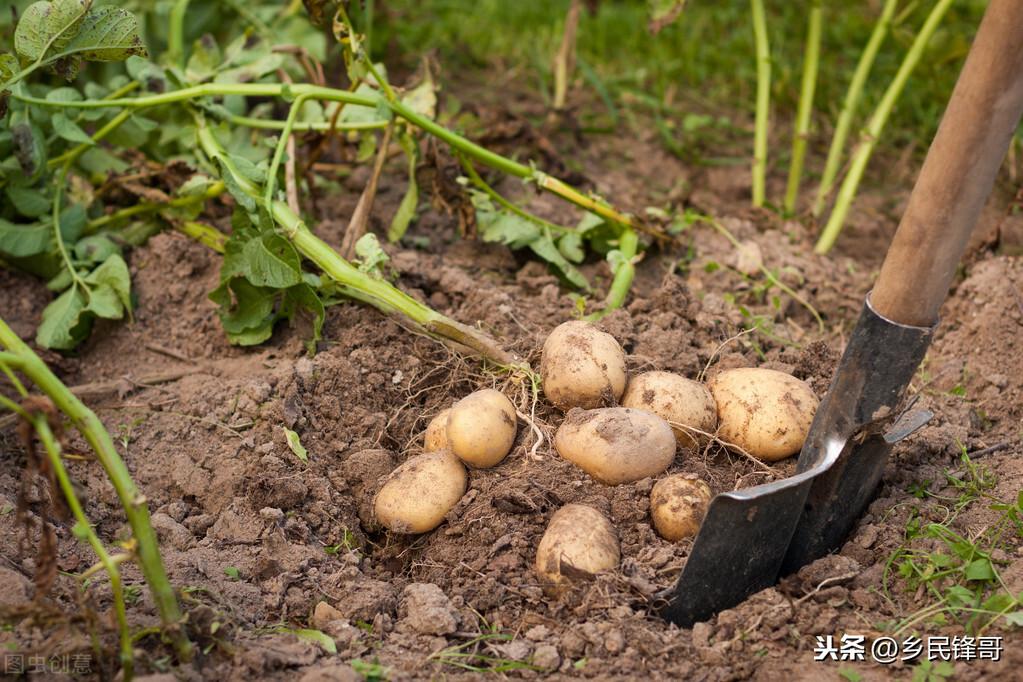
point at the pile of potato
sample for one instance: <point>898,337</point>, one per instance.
<point>616,429</point>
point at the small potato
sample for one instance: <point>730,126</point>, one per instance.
<point>616,444</point>
<point>420,492</point>
<point>481,428</point>
<point>579,542</point>
<point>437,432</point>
<point>678,504</point>
<point>582,366</point>
<point>765,412</point>
<point>675,399</point>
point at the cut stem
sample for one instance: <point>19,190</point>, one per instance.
<point>628,245</point>
<point>799,138</point>
<point>852,100</point>
<point>134,503</point>
<point>851,183</point>
<point>763,56</point>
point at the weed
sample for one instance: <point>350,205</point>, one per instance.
<point>961,576</point>
<point>371,671</point>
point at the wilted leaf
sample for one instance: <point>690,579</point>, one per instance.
<point>295,444</point>
<point>113,275</point>
<point>107,34</point>
<point>371,256</point>
<point>47,27</point>
<point>663,12</point>
<point>271,261</point>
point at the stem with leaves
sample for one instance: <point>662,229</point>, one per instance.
<point>763,56</point>
<point>799,138</point>
<point>875,126</point>
<point>22,358</point>
<point>852,100</point>
<point>353,282</point>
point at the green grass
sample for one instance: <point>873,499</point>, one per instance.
<point>705,58</point>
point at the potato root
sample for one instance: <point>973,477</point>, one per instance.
<point>616,444</point>
<point>680,401</point>
<point>582,366</point>
<point>765,412</point>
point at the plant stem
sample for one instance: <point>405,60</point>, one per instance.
<point>353,282</point>
<point>83,530</point>
<point>628,245</point>
<point>303,126</point>
<point>810,61</point>
<point>176,34</point>
<point>134,504</point>
<point>207,235</point>
<point>213,191</point>
<point>852,100</point>
<point>847,192</point>
<point>483,185</point>
<point>282,143</point>
<point>763,55</point>
<point>564,60</point>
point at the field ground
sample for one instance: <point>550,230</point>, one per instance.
<point>262,544</point>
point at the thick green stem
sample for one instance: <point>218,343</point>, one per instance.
<point>353,282</point>
<point>851,183</point>
<point>763,55</point>
<point>852,100</point>
<point>176,34</point>
<point>83,530</point>
<point>134,504</point>
<point>207,235</point>
<point>799,138</point>
<point>628,245</point>
<point>303,126</point>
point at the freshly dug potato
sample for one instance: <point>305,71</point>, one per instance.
<point>678,504</point>
<point>420,492</point>
<point>481,428</point>
<point>675,399</point>
<point>616,444</point>
<point>582,366</point>
<point>765,412</point>
<point>437,432</point>
<point>579,542</point>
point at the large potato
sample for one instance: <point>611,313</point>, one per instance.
<point>481,428</point>
<point>765,412</point>
<point>582,366</point>
<point>579,542</point>
<point>616,444</point>
<point>437,432</point>
<point>420,492</point>
<point>677,400</point>
<point>678,504</point>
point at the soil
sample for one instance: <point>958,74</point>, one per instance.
<point>260,542</point>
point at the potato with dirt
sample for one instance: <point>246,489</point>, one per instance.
<point>582,366</point>
<point>678,504</point>
<point>765,412</point>
<point>420,492</point>
<point>616,445</point>
<point>679,401</point>
<point>436,437</point>
<point>579,543</point>
<point>481,428</point>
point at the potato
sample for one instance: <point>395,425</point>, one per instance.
<point>437,432</point>
<point>616,444</point>
<point>420,492</point>
<point>765,412</point>
<point>481,428</point>
<point>675,399</point>
<point>678,504</point>
<point>582,366</point>
<point>579,542</point>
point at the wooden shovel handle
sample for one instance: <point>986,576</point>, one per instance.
<point>958,173</point>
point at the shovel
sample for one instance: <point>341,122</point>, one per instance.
<point>750,537</point>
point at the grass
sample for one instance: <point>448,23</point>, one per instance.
<point>621,57</point>
<point>958,573</point>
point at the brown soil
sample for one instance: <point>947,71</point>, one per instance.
<point>256,539</point>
